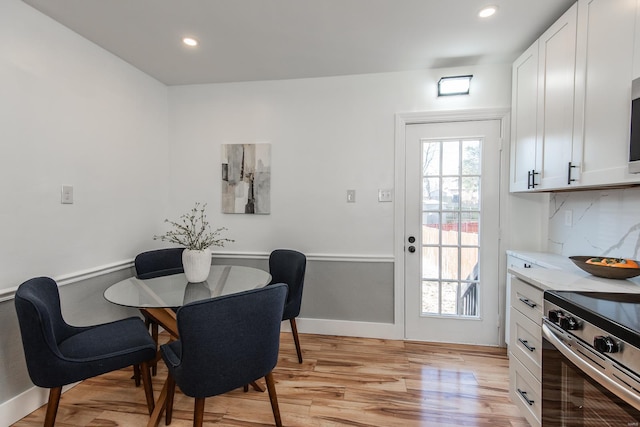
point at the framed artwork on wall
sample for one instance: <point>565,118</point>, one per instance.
<point>246,178</point>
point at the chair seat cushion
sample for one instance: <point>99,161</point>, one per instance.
<point>108,347</point>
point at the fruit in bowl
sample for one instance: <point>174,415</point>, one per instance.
<point>613,262</point>
<point>610,268</point>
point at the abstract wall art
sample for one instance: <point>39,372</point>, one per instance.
<point>246,178</point>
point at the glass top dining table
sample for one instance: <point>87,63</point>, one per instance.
<point>174,290</point>
<point>155,298</point>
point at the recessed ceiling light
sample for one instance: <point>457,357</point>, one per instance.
<point>190,41</point>
<point>487,11</point>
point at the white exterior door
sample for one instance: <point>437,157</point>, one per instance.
<point>452,209</point>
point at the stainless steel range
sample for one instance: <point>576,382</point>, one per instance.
<point>591,359</point>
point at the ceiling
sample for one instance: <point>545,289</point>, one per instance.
<point>244,40</point>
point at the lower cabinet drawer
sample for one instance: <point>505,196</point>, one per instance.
<point>525,392</point>
<point>526,342</point>
<point>527,299</point>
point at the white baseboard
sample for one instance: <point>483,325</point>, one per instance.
<point>25,403</point>
<point>347,328</point>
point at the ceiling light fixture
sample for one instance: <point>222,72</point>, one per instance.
<point>190,41</point>
<point>487,11</point>
<point>454,85</point>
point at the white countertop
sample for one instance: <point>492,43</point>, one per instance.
<point>562,274</point>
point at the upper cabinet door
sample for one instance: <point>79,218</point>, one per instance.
<point>524,104</point>
<point>604,75</point>
<point>556,92</point>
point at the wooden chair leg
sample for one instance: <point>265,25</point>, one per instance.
<point>148,385</point>
<point>154,335</point>
<point>294,330</point>
<point>136,375</point>
<point>52,406</point>
<point>198,412</point>
<point>271,386</point>
<point>171,391</point>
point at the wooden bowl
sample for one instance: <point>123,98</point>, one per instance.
<point>604,270</point>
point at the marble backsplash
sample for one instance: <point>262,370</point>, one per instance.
<point>599,223</point>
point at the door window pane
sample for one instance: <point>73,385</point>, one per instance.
<point>450,227</point>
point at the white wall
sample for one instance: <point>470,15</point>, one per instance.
<point>73,114</point>
<point>328,135</point>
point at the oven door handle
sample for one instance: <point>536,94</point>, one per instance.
<point>587,368</point>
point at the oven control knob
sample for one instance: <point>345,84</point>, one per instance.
<point>555,316</point>
<point>569,323</point>
<point>605,344</point>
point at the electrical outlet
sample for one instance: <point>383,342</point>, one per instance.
<point>385,195</point>
<point>568,218</point>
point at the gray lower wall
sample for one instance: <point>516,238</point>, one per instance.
<point>342,290</point>
<point>334,290</point>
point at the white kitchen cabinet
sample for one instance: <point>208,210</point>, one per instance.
<point>524,107</point>
<point>525,350</point>
<point>514,261</point>
<point>603,91</point>
<point>542,108</point>
<point>556,89</point>
<point>586,62</point>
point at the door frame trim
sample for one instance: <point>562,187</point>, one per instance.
<point>404,119</point>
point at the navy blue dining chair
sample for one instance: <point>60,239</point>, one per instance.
<point>58,354</point>
<point>156,263</point>
<point>225,343</point>
<point>288,266</point>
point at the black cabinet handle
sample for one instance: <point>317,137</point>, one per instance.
<point>533,178</point>
<point>528,302</point>
<point>526,344</point>
<point>524,396</point>
<point>569,180</point>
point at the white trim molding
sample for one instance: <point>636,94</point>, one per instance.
<point>78,276</point>
<point>311,257</point>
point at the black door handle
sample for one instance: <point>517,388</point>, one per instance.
<point>412,249</point>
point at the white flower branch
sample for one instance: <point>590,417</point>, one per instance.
<point>194,231</point>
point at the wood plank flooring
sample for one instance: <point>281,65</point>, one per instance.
<point>343,381</point>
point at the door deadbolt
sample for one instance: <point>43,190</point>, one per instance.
<point>412,239</point>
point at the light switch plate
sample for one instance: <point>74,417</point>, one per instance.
<point>67,195</point>
<point>351,196</point>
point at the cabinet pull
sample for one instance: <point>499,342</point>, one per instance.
<point>528,302</point>
<point>527,265</point>
<point>524,396</point>
<point>526,344</point>
<point>569,180</point>
<point>531,179</point>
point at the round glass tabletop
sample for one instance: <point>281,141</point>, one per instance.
<point>175,291</point>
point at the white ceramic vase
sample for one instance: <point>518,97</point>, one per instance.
<point>196,264</point>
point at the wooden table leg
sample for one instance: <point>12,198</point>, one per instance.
<point>161,404</point>
<point>256,386</point>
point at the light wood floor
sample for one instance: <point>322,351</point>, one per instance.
<point>342,382</point>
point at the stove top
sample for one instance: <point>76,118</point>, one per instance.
<point>608,323</point>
